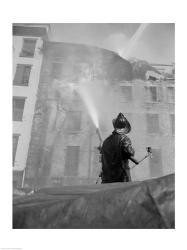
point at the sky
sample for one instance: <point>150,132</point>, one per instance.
<point>156,44</point>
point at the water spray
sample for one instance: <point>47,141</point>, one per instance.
<point>134,39</point>
<point>92,111</point>
<point>87,99</point>
<point>100,137</point>
<point>86,96</point>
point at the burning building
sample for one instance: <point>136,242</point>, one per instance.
<point>59,145</point>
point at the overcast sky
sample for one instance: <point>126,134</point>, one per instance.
<point>156,44</point>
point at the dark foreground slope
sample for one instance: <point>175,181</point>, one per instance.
<point>147,204</point>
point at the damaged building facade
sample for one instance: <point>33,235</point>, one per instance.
<point>59,145</point>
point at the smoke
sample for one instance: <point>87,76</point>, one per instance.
<point>97,94</point>
<point>116,42</point>
<point>98,97</point>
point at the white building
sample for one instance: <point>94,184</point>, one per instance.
<point>27,61</point>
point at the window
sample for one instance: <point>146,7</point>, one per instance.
<point>22,75</point>
<point>28,48</point>
<point>73,122</point>
<point>172,123</point>
<point>170,94</point>
<point>15,144</point>
<point>72,161</point>
<point>18,107</point>
<point>152,123</point>
<point>126,93</point>
<point>153,94</point>
<point>155,163</point>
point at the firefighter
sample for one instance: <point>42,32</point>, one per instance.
<point>116,152</point>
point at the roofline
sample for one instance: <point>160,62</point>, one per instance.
<point>83,45</point>
<point>160,64</point>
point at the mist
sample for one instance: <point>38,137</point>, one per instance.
<point>156,45</point>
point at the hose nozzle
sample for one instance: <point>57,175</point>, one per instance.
<point>99,135</point>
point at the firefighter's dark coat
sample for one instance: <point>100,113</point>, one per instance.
<point>116,151</point>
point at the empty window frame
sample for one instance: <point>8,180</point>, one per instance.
<point>22,75</point>
<point>152,123</point>
<point>18,108</point>
<point>28,48</point>
<point>153,94</point>
<point>170,94</point>
<point>155,163</point>
<point>73,121</point>
<point>126,93</point>
<point>172,123</point>
<point>72,161</point>
<point>14,146</point>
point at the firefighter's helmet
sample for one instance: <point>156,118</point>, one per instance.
<point>121,122</point>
